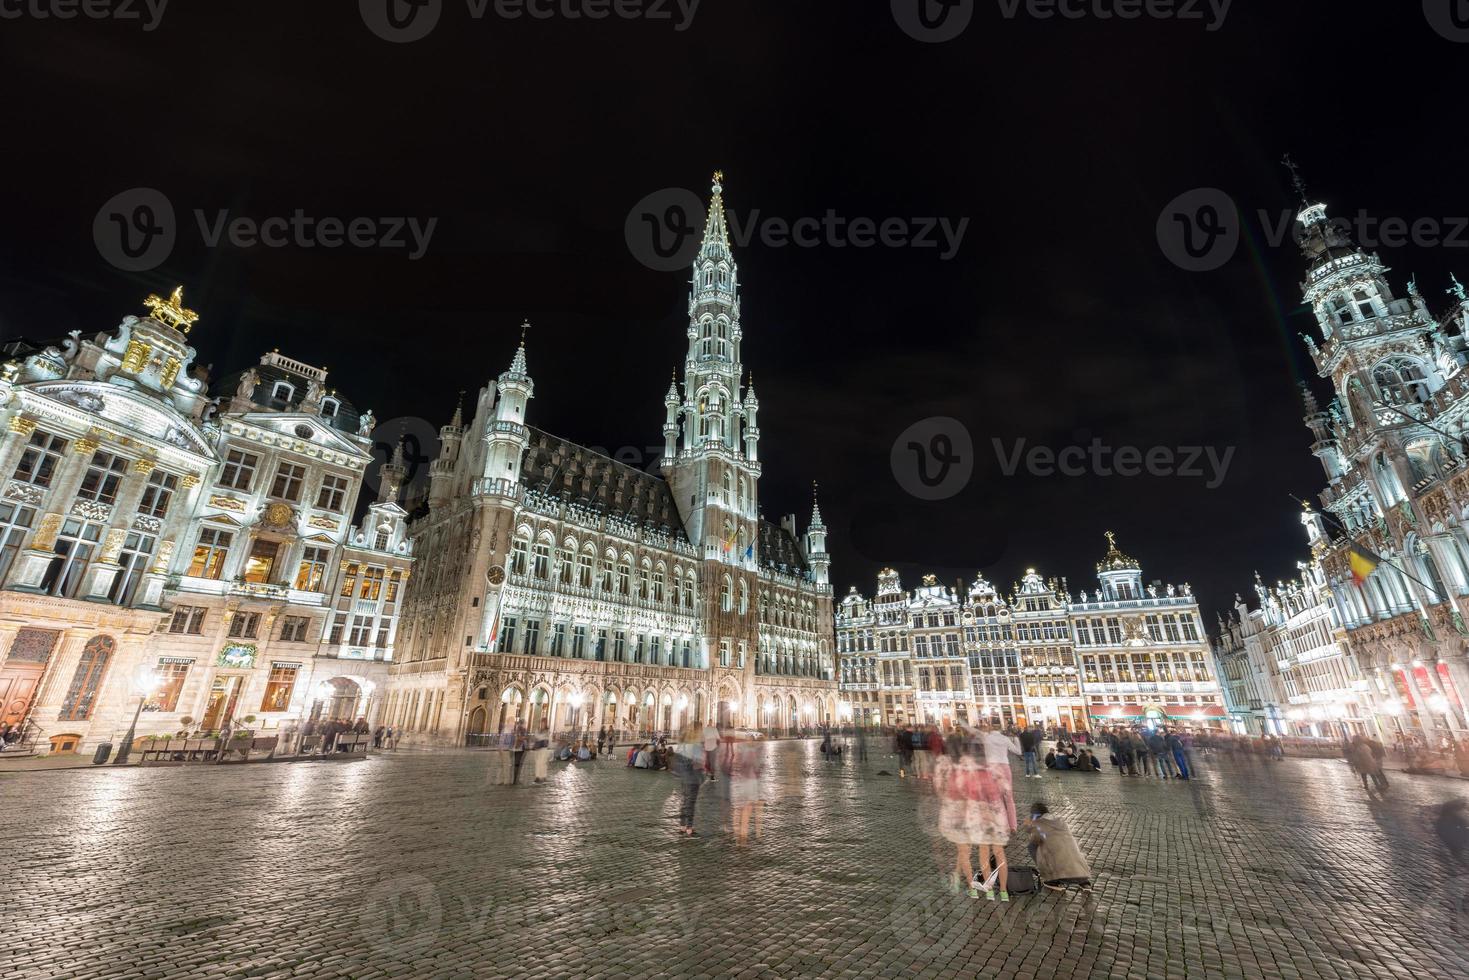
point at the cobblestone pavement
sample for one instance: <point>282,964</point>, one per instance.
<point>411,865</point>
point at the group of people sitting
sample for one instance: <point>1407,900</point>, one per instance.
<point>1066,756</point>
<point>649,755</point>
<point>579,751</point>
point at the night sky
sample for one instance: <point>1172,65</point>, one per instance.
<point>1060,319</point>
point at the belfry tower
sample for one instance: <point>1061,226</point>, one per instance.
<point>713,468</point>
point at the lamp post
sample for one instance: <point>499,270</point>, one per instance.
<point>144,681</point>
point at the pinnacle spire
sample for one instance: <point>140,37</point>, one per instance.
<point>517,365</point>
<point>458,420</point>
<point>815,507</point>
<point>716,229</point>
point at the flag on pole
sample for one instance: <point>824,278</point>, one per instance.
<point>1363,563</point>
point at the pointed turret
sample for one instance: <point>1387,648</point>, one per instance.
<point>507,436</point>
<point>816,554</point>
<point>391,476</point>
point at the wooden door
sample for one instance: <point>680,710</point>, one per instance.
<point>21,672</point>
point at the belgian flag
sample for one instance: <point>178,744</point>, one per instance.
<point>1363,563</point>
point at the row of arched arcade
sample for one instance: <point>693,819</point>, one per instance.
<point>496,710</point>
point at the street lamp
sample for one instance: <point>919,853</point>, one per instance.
<point>145,680</point>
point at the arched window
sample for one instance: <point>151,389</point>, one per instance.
<point>520,554</point>
<point>1342,307</point>
<point>1401,381</point>
<point>329,408</point>
<point>726,596</point>
<point>82,694</point>
<point>542,561</point>
<point>744,598</point>
<point>283,391</point>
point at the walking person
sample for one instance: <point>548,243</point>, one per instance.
<point>541,754</point>
<point>711,746</point>
<point>601,738</point>
<point>1030,738</point>
<point>903,746</point>
<point>961,818</point>
<point>921,764</point>
<point>744,790</point>
<point>1175,749</point>
<point>861,738</point>
<point>997,748</point>
<point>686,763</point>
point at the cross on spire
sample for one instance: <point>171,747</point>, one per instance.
<point>1295,177</point>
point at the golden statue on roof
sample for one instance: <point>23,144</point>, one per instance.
<point>171,311</point>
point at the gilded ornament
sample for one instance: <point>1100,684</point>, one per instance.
<point>144,466</point>
<point>165,555</point>
<point>171,311</point>
<point>45,539</point>
<point>20,423</point>
<point>136,357</point>
<point>171,371</point>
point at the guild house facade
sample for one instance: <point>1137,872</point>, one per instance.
<point>1124,654</point>
<point>559,588</point>
<point>185,553</point>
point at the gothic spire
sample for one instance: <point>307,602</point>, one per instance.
<point>716,230</point>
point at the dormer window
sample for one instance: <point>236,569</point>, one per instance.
<point>1343,311</point>
<point>329,408</point>
<point>282,392</point>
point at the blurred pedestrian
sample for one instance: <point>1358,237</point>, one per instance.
<point>903,746</point>
<point>744,789</point>
<point>711,746</point>
<point>686,763</point>
<point>1030,739</point>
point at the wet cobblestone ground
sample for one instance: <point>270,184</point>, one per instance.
<point>411,865</point>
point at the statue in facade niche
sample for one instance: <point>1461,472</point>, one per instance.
<point>366,423</point>
<point>248,383</point>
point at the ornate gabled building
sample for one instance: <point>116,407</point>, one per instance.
<point>165,548</point>
<point>1392,444</point>
<point>560,588</point>
<point>1144,656</point>
<point>1038,613</point>
<point>1128,654</point>
<point>940,665</point>
<point>1286,666</point>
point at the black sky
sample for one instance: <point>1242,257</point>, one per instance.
<point>1059,320</point>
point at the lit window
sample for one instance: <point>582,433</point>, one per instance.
<point>102,478</point>
<point>39,461</point>
<point>333,493</point>
<point>278,688</point>
<point>288,480</point>
<point>239,470</point>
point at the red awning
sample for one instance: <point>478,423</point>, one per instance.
<point>1117,711</point>
<point>1187,711</point>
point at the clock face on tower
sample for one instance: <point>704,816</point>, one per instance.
<point>496,575</point>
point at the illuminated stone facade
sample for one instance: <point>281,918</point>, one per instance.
<point>182,549</point>
<point>560,588</point>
